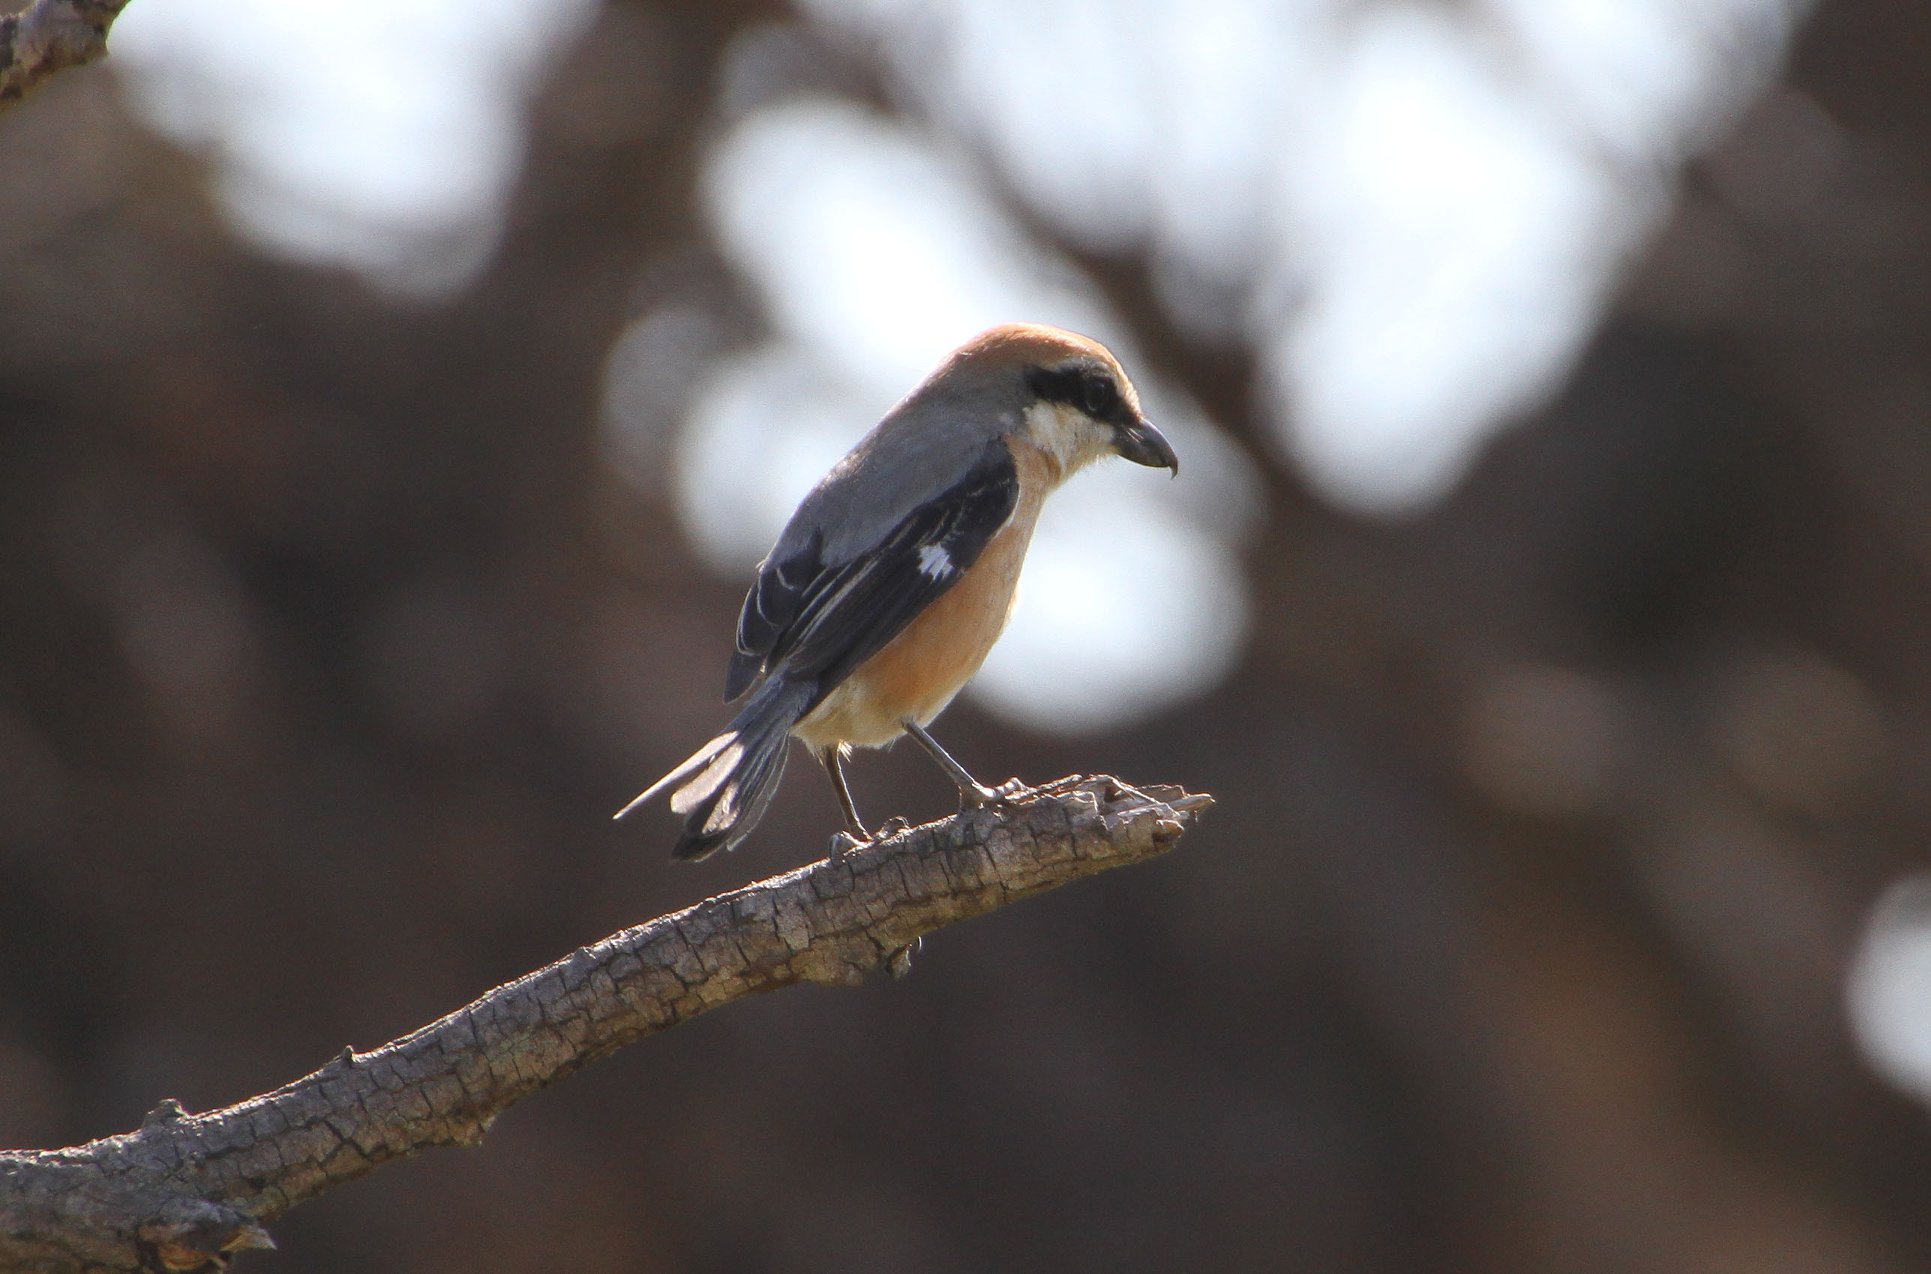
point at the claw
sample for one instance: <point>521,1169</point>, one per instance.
<point>979,796</point>
<point>843,843</point>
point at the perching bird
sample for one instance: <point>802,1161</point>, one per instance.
<point>895,576</point>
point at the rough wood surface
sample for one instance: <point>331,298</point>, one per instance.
<point>186,1191</point>
<point>48,36</point>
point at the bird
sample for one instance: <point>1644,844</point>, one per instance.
<point>890,583</point>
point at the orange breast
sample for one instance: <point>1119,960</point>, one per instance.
<point>924,666</point>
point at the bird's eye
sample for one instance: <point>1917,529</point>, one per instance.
<point>1098,395</point>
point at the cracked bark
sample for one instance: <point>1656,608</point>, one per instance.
<point>185,1192</point>
<point>48,36</point>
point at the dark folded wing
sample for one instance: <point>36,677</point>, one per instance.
<point>770,609</point>
<point>820,620</point>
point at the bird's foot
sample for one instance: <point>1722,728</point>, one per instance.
<point>892,826</point>
<point>979,796</point>
<point>843,843</point>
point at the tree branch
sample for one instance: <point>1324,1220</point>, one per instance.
<point>48,36</point>
<point>186,1191</point>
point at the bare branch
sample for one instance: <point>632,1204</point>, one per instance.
<point>48,36</point>
<point>186,1191</point>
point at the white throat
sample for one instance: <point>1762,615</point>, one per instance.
<point>1071,437</point>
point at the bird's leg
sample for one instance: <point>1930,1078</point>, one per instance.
<point>854,833</point>
<point>972,793</point>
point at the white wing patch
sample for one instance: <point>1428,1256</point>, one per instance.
<point>934,561</point>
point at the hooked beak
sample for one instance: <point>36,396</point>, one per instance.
<point>1141,443</point>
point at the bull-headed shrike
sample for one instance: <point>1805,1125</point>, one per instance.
<point>896,575</point>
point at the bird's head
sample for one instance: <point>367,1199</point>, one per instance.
<point>1074,402</point>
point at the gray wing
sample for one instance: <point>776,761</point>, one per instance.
<point>810,618</point>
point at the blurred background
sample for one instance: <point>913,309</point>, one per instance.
<point>395,396</point>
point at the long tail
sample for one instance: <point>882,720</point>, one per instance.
<point>723,789</point>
